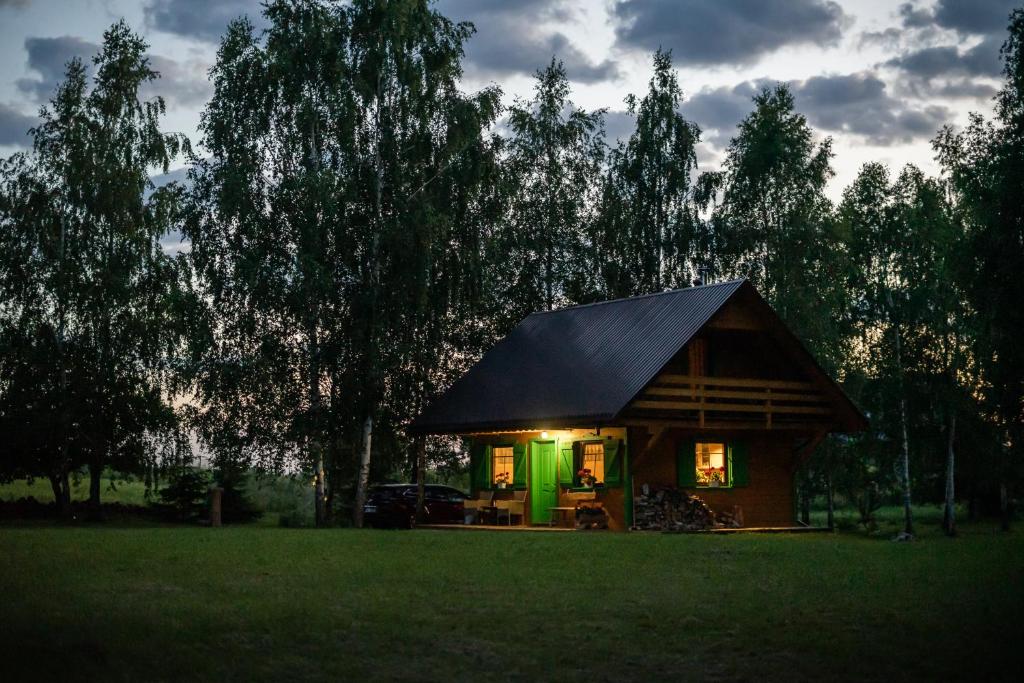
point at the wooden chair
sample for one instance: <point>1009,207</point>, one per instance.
<point>514,507</point>
<point>477,505</point>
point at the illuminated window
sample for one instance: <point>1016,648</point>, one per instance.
<point>593,460</point>
<point>712,469</point>
<point>502,465</point>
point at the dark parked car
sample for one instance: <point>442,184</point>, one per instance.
<point>394,505</point>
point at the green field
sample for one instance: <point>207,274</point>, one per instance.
<point>115,490</point>
<point>251,603</point>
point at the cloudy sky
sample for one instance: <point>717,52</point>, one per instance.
<point>878,76</point>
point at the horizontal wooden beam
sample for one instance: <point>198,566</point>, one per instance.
<point>733,382</point>
<point>814,397</point>
<point>729,407</point>
<point>724,425</point>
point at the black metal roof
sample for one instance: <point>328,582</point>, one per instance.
<point>581,365</point>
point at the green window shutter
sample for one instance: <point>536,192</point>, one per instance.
<point>488,482</point>
<point>612,462</point>
<point>566,473</point>
<point>519,466</point>
<point>479,467</point>
<point>686,464</point>
<point>739,470</point>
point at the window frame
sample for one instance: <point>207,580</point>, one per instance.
<point>511,467</point>
<point>580,452</point>
<point>726,464</point>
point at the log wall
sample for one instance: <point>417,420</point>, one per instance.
<point>766,502</point>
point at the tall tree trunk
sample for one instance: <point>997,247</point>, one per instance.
<point>421,475</point>
<point>908,514</point>
<point>95,484</point>
<point>949,511</point>
<point>805,507</point>
<point>1004,505</point>
<point>61,494</point>
<point>364,473</point>
<point>830,493</point>
<point>370,350</point>
<point>313,339</point>
<point>321,497</point>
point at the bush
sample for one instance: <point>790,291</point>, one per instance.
<point>290,497</point>
<point>236,505</point>
<point>185,493</point>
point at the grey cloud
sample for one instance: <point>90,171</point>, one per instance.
<point>718,110</point>
<point>48,58</point>
<point>515,38</point>
<point>14,3</point>
<point>977,17</point>
<point>947,60</point>
<point>965,89</point>
<point>889,38</point>
<point>860,104</point>
<point>735,32</point>
<point>916,17</point>
<point>857,104</point>
<point>201,20</point>
<point>181,83</point>
<point>618,125</point>
<point>14,126</point>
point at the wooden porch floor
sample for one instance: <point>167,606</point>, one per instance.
<point>741,530</point>
<point>491,527</point>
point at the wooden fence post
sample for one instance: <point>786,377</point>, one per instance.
<point>216,496</point>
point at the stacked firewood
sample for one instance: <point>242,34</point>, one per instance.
<point>591,517</point>
<point>669,509</point>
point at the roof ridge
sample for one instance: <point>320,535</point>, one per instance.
<point>639,296</point>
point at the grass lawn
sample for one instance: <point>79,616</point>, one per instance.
<point>245,603</point>
<point>118,490</point>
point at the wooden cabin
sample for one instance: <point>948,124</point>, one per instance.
<point>702,389</point>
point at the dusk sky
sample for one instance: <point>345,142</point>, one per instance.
<point>879,77</point>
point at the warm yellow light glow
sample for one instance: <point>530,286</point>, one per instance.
<point>711,470</point>
<point>502,465</point>
<point>593,460</point>
<point>543,435</point>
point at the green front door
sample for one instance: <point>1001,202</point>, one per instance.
<point>543,481</point>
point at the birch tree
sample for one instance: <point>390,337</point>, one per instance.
<point>84,275</point>
<point>552,164</point>
<point>649,227</point>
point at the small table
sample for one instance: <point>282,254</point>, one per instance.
<point>561,513</point>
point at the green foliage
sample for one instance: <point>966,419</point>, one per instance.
<point>985,166</point>
<point>333,230</point>
<point>89,299</point>
<point>552,161</point>
<point>186,492</point>
<point>361,230</point>
<point>773,224</point>
<point>649,235</point>
<point>237,505</point>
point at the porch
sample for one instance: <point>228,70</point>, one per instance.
<point>725,530</point>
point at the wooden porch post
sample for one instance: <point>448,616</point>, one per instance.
<point>627,497</point>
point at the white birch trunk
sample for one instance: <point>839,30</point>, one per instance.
<point>364,472</point>
<point>949,513</point>
<point>908,514</point>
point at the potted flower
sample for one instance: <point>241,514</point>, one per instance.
<point>587,477</point>
<point>502,480</point>
<point>716,476</point>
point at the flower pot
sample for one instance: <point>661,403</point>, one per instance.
<point>501,486</point>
